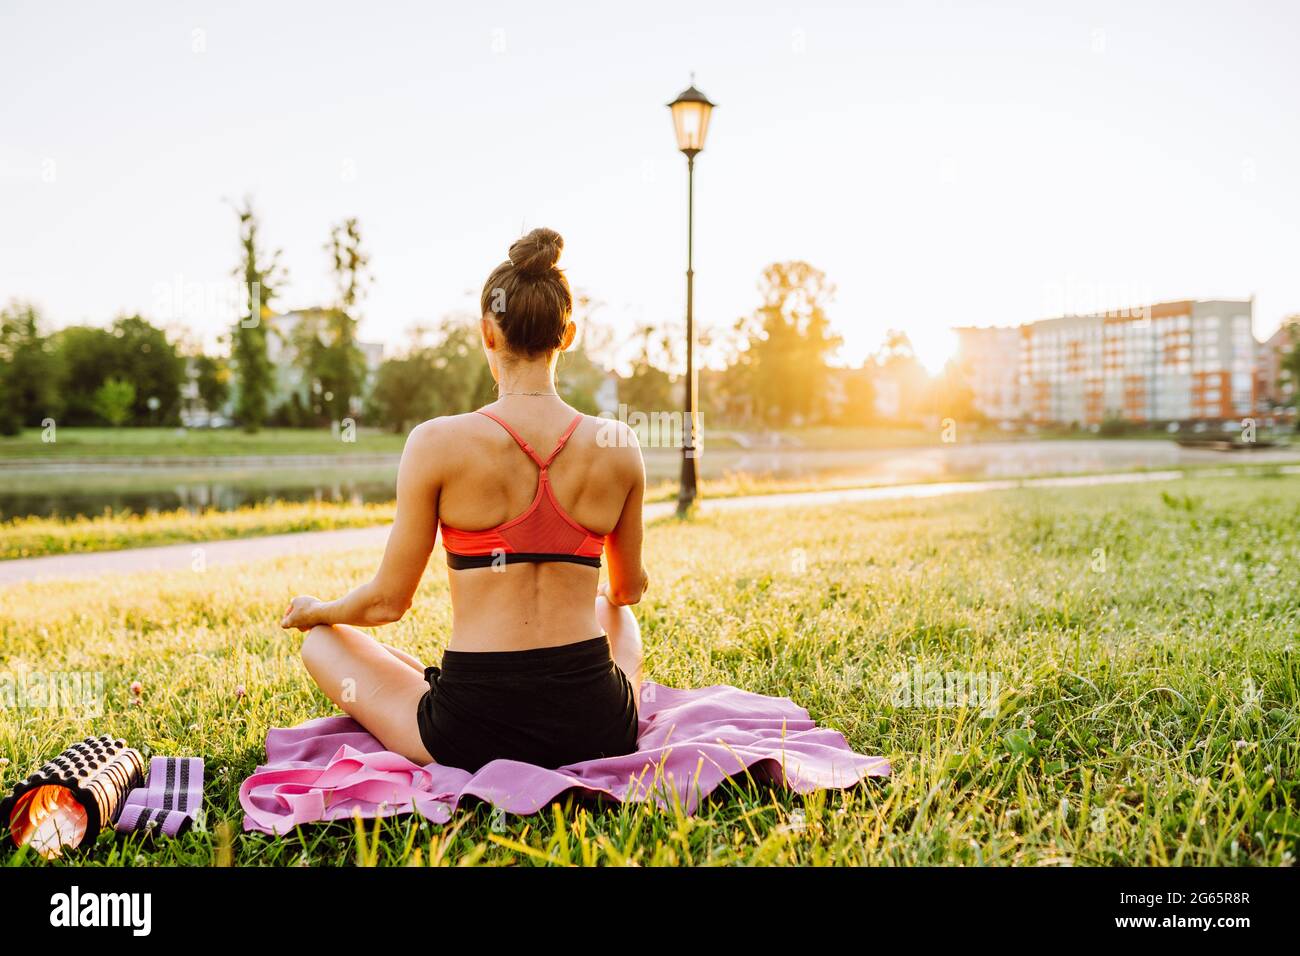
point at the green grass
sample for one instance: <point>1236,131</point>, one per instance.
<point>32,537</point>
<point>196,442</point>
<point>37,537</point>
<point>177,442</point>
<point>1150,703</point>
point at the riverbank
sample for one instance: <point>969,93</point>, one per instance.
<point>222,538</point>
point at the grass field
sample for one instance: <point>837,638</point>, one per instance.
<point>32,537</point>
<point>1143,639</point>
<point>200,442</point>
<point>36,537</point>
<point>194,442</point>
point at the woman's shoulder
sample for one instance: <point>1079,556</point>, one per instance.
<point>617,445</point>
<point>442,429</point>
<point>611,432</point>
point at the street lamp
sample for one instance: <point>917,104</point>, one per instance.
<point>691,112</point>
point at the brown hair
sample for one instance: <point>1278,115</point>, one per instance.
<point>529,296</point>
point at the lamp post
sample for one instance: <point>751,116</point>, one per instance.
<point>691,112</point>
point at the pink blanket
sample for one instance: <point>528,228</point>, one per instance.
<point>690,740</point>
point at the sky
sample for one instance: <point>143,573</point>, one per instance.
<point>944,163</point>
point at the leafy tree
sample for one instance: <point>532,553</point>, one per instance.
<point>1291,361</point>
<point>350,263</point>
<point>579,379</point>
<point>790,341</point>
<point>112,401</point>
<point>951,395</point>
<point>262,278</point>
<point>292,413</point>
<point>446,378</point>
<point>648,388</point>
<point>859,407</point>
<point>341,367</point>
<point>581,371</point>
<point>404,392</point>
<point>902,376</point>
<point>88,355</point>
<point>324,343</point>
<point>462,379</point>
<point>30,370</point>
<point>131,350</point>
<point>144,357</point>
<point>212,376</point>
<point>11,423</point>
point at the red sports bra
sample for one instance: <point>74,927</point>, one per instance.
<point>544,532</point>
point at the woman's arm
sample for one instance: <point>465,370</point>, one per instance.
<point>386,597</point>
<point>627,577</point>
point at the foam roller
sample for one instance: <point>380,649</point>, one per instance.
<point>70,799</point>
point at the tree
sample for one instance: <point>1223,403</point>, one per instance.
<point>144,357</point>
<point>581,371</point>
<point>112,401</point>
<point>262,278</point>
<point>462,379</point>
<point>579,379</point>
<point>212,376</point>
<point>351,265</point>
<point>901,381</point>
<point>790,339</point>
<point>11,423</point>
<point>447,378</point>
<point>324,345</point>
<point>30,371</point>
<point>131,350</point>
<point>404,392</point>
<point>88,355</point>
<point>648,388</point>
<point>340,365</point>
<point>859,391</point>
<point>951,395</point>
<point>1291,361</point>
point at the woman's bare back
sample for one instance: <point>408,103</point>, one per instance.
<point>486,479</point>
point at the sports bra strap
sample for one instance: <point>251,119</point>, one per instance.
<point>559,445</point>
<point>528,449</point>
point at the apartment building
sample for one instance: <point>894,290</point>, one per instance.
<point>1274,390</point>
<point>1173,361</point>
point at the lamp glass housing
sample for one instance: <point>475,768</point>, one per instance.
<point>691,112</point>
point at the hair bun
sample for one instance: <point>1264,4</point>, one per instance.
<point>536,253</point>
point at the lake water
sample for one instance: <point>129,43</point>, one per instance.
<point>91,490</point>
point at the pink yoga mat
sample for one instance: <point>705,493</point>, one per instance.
<point>690,740</point>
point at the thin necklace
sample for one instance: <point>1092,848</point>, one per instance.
<point>552,394</point>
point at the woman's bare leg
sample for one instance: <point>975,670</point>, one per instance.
<point>375,684</point>
<point>403,656</point>
<point>624,639</point>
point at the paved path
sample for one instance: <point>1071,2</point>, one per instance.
<point>213,553</point>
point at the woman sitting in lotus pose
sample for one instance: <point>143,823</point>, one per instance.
<point>542,666</point>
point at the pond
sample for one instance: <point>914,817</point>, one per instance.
<point>91,490</point>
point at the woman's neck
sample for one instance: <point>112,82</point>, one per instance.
<point>517,378</point>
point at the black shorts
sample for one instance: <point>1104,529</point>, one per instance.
<point>548,706</point>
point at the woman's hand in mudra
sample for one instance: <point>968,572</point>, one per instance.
<point>302,613</point>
